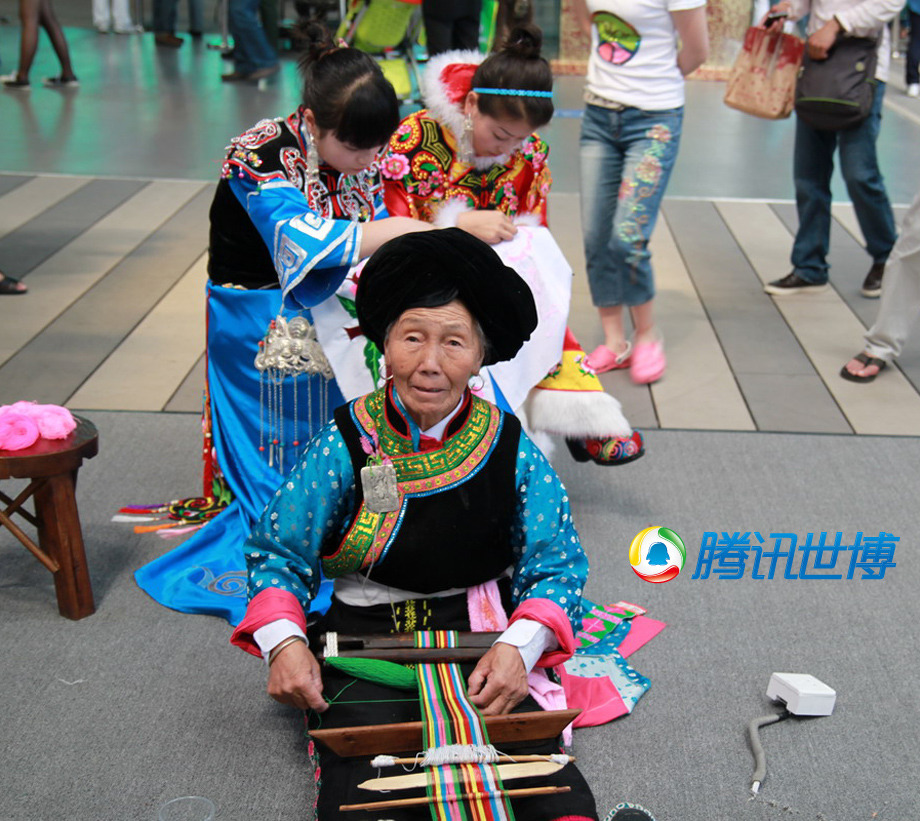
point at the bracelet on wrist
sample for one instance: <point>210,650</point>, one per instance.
<point>281,645</point>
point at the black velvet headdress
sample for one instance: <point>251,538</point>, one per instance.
<point>427,269</point>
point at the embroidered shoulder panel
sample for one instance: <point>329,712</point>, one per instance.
<point>417,474</point>
<point>423,157</point>
<point>274,151</point>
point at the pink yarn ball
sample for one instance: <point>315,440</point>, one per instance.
<point>17,430</point>
<point>54,422</point>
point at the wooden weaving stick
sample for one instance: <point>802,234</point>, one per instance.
<point>506,772</point>
<point>509,759</point>
<point>414,802</point>
<point>464,639</point>
<point>407,736</point>
<point>400,648</point>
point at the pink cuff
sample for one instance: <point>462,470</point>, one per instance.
<point>551,615</point>
<point>268,606</point>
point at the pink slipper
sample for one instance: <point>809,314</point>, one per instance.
<point>602,359</point>
<point>648,362</point>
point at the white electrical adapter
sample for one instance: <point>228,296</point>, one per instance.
<point>803,695</point>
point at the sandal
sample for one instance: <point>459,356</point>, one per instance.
<point>867,361</point>
<point>11,287</point>
<point>603,359</point>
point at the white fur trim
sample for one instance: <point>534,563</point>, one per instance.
<point>533,220</point>
<point>447,113</point>
<point>576,413</point>
<point>449,212</point>
<point>434,92</point>
<point>543,441</point>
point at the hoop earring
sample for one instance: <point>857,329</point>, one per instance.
<point>312,161</point>
<point>476,388</point>
<point>466,140</point>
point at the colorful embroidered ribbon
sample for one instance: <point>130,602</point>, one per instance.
<point>450,718</point>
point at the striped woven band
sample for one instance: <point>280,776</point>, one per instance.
<point>448,718</point>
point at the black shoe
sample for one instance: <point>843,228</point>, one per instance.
<point>252,77</point>
<point>792,283</point>
<point>61,82</point>
<point>872,284</point>
<point>167,39</point>
<point>13,81</point>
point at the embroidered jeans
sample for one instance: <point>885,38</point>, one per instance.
<point>813,165</point>
<point>626,160</point>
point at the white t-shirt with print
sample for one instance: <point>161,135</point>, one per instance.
<point>634,52</point>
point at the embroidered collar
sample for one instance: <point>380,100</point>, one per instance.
<point>399,418</point>
<point>471,435</point>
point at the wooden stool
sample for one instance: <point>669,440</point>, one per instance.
<point>52,465</point>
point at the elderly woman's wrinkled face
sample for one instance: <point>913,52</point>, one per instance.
<point>431,353</point>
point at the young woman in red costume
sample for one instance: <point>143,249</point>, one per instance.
<point>471,159</point>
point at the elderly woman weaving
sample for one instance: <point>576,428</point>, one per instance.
<point>474,532</point>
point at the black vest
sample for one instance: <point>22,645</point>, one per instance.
<point>453,537</point>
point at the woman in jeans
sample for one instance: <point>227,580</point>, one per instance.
<point>634,95</point>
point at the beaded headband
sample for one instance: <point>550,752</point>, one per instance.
<point>513,92</point>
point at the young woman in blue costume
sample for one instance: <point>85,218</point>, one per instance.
<point>476,533</point>
<point>299,202</point>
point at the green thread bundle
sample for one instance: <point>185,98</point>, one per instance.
<point>387,673</point>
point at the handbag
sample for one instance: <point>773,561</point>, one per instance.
<point>763,77</point>
<point>836,94</point>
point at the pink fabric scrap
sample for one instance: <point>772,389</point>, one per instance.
<point>484,604</point>
<point>597,698</point>
<point>641,632</point>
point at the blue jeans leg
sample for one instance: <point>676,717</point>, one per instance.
<point>626,160</point>
<point>196,15</point>
<point>859,166</point>
<point>813,165</point>
<point>912,64</point>
<point>164,16</point>
<point>251,48</point>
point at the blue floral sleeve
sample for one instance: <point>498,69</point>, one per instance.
<point>311,253</point>
<point>550,561</point>
<point>313,505</point>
